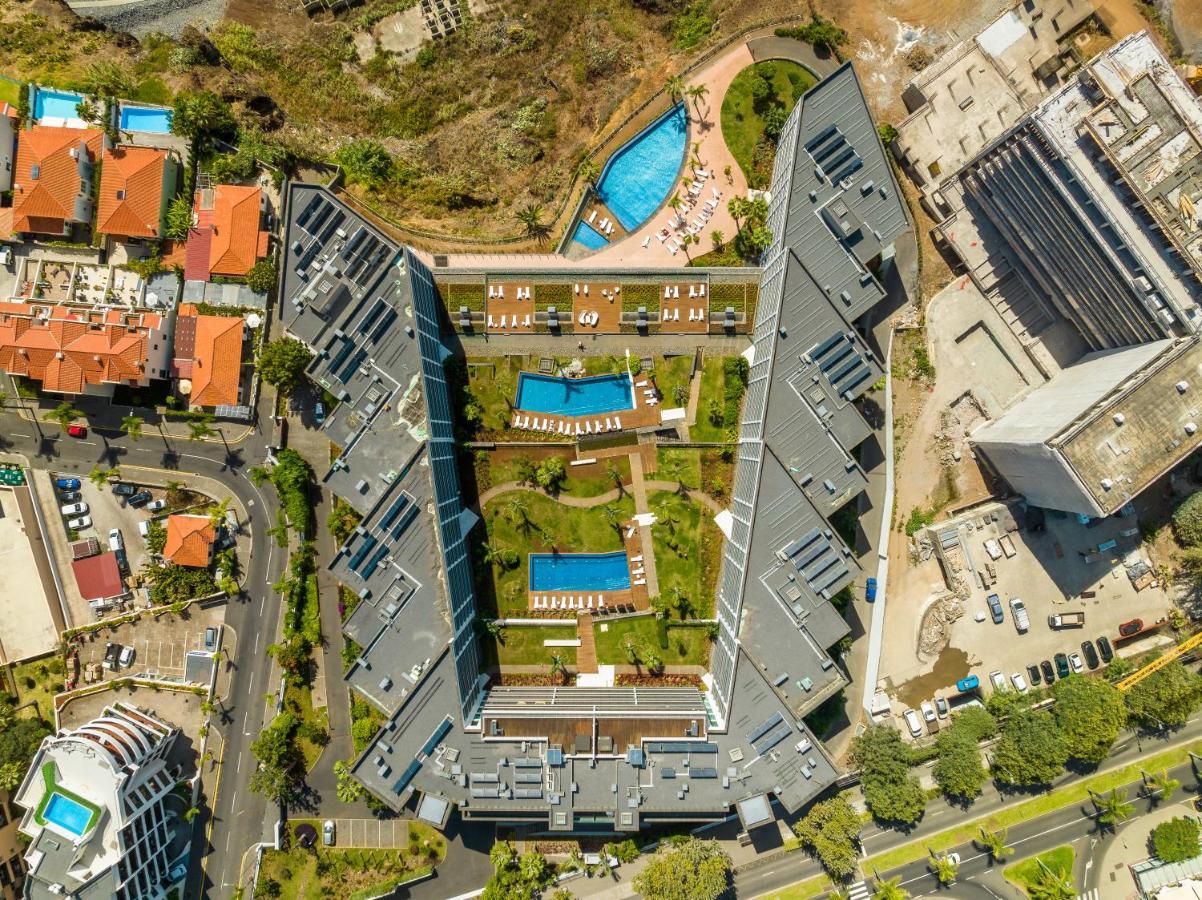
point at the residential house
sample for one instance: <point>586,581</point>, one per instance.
<point>99,579</point>
<point>190,541</point>
<point>52,185</point>
<point>83,350</point>
<point>9,125</point>
<point>208,357</point>
<point>228,237</point>
<point>136,184</point>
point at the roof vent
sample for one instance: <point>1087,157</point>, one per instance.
<point>1191,427</point>
<point>1107,484</point>
<point>1119,418</point>
<point>1182,387</point>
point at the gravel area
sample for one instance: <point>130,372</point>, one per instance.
<point>143,17</point>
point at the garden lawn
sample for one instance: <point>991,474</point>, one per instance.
<point>712,397</point>
<point>46,674</point>
<point>10,92</point>
<point>547,525</point>
<point>522,645</point>
<point>671,373</point>
<point>1027,872</point>
<point>507,469</point>
<point>493,385</point>
<point>682,465</point>
<point>742,115</point>
<point>319,717</point>
<point>688,550</point>
<point>351,873</point>
<point>692,639</point>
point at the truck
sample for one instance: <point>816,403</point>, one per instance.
<point>1067,620</point>
<point>1007,544</point>
<point>1019,611</point>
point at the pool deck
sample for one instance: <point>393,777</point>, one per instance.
<point>602,603</point>
<point>518,315</point>
<point>642,415</point>
<point>603,298</point>
<point>689,312</point>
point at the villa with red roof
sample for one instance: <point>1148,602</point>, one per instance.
<point>208,357</point>
<point>52,184</point>
<point>136,184</point>
<point>228,237</point>
<point>189,541</point>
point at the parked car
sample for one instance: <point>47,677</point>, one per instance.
<point>210,638</point>
<point>327,830</point>
<point>928,710</point>
<point>127,657</point>
<point>1134,626</point>
<point>1048,674</point>
<point>77,431</point>
<point>67,484</point>
<point>1033,674</point>
<point>1074,660</point>
<point>1018,611</point>
<point>319,413</point>
<point>70,496</point>
<point>1062,668</point>
<point>116,541</point>
<point>1020,683</point>
<point>968,683</point>
<point>144,528</point>
<point>75,509</point>
<point>111,652</point>
<point>995,609</point>
<point>1104,649</point>
<point>122,560</point>
<point>155,505</point>
<point>913,722</point>
<point>122,489</point>
<point>140,499</point>
<point>998,680</point>
<point>870,590</point>
<point>80,522</point>
<point>941,707</point>
<point>1090,654</point>
<point>1067,620</point>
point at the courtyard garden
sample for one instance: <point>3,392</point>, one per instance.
<point>536,467</point>
<point>710,471</point>
<point>688,554</point>
<point>522,645</point>
<point>651,643</point>
<point>754,111</point>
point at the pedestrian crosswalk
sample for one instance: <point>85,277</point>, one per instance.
<point>859,891</point>
<point>1091,895</point>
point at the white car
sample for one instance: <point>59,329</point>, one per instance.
<point>144,528</point>
<point>327,833</point>
<point>912,722</point>
<point>79,523</point>
<point>154,505</point>
<point>1074,660</point>
<point>998,680</point>
<point>1019,682</point>
<point>116,541</point>
<point>75,509</point>
<point>127,657</point>
<point>928,711</point>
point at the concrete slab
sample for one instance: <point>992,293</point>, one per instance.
<point>29,628</point>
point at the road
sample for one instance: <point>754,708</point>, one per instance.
<point>240,818</point>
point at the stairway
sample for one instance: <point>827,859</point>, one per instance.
<point>586,653</point>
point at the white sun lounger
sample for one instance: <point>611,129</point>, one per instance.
<point>503,321</point>
<point>609,229</point>
<point>651,401</point>
<point>491,323</point>
<point>594,318</point>
<point>592,217</point>
<point>491,293</point>
<point>676,314</point>
<point>617,423</point>
<point>672,249</point>
<point>717,193</point>
<point>609,425</point>
<point>642,383</point>
<point>581,317</point>
<point>702,289</point>
<point>578,431</point>
<point>577,289</point>
<point>711,204</point>
<point>638,581</point>
<point>692,291</point>
<point>667,291</point>
<point>600,603</point>
<point>646,242</point>
<point>586,290</point>
<point>588,427</point>
<point>526,322</point>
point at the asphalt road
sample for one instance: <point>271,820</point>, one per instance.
<point>240,818</point>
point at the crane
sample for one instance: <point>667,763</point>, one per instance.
<point>1159,663</point>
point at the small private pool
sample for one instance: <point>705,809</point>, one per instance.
<point>579,571</point>
<point>636,180</point>
<point>146,119</point>
<point>66,814</point>
<point>588,236</point>
<point>574,396</point>
<point>58,107</point>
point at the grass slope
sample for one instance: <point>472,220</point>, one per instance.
<point>742,115</point>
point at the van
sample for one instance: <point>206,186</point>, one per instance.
<point>912,722</point>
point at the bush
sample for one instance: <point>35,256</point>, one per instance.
<point>365,162</point>
<point>694,25</point>
<point>1187,521</point>
<point>1176,840</point>
<point>261,277</point>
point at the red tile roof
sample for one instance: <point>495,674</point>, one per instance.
<point>98,577</point>
<point>67,348</point>
<point>131,192</point>
<point>228,217</point>
<point>189,540</point>
<point>208,350</point>
<point>44,204</point>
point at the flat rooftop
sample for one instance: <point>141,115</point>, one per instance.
<point>29,626</point>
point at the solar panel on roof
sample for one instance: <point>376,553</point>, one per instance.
<point>308,210</point>
<point>384,325</point>
<point>439,733</point>
<point>762,729</point>
<point>374,562</point>
<point>322,213</point>
<point>332,226</point>
<point>407,776</point>
<point>373,314</point>
<point>364,549</point>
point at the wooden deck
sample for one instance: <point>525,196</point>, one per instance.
<point>602,603</point>
<point>613,734</point>
<point>686,311</point>
<point>600,298</point>
<point>506,313</point>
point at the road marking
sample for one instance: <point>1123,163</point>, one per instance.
<point>1090,895</point>
<point>858,891</point>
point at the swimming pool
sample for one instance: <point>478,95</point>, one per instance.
<point>56,104</point>
<point>67,814</point>
<point>637,179</point>
<point>146,119</point>
<point>579,571</point>
<point>589,237</point>
<point>574,396</point>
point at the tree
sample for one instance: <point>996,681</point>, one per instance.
<point>774,122</point>
<point>502,855</point>
<point>1113,808</point>
<point>156,538</point>
<point>261,277</point>
<point>365,162</point>
<point>890,889</point>
<point>1090,714</point>
<point>830,831</point>
<point>517,511</point>
<point>64,414</point>
<point>890,791</point>
<point>132,425</point>
<point>1032,750</point>
<point>697,93</point>
<point>534,869</point>
<point>690,870</point>
<point>199,115</point>
<point>1176,840</point>
<point>1166,698</point>
<point>551,473</point>
<point>11,775</point>
<point>739,208</point>
<point>1160,786</point>
<point>99,476</point>
<point>994,843</point>
<point>614,474</point>
<point>349,790</point>
<point>531,217</point>
<point>200,429</point>
<point>686,242</point>
<point>1051,885</point>
<point>946,869</point>
<point>282,363</point>
<point>558,666</point>
<point>179,217</point>
<point>1187,520</point>
<point>958,771</point>
<point>590,171</point>
<point>674,87</point>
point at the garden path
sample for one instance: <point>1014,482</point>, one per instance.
<point>586,653</point>
<point>653,484</point>
<point>639,488</point>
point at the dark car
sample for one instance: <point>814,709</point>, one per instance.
<point>1135,626</point>
<point>1090,654</point>
<point>122,561</point>
<point>1033,674</point>
<point>121,489</point>
<point>1104,649</point>
<point>139,499</point>
<point>995,609</point>
<point>67,484</point>
<point>1062,668</point>
<point>1049,675</point>
<point>870,590</point>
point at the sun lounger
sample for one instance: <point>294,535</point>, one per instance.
<point>702,172</point>
<point>676,293</point>
<point>515,420</point>
<point>586,290</point>
<point>676,314</point>
<point>617,423</point>
<point>526,322</point>
<point>588,427</point>
<point>717,193</point>
<point>711,204</point>
<point>590,602</point>
<point>692,291</point>
<point>580,318</point>
<point>491,323</point>
<point>491,293</point>
<point>594,318</point>
<point>702,289</point>
<point>667,291</point>
<point>646,242</point>
<point>636,559</point>
<point>651,401</point>
<point>577,289</point>
<point>609,425</point>
<point>642,383</point>
<point>609,229</point>
<point>640,571</point>
<point>639,581</point>
<point>600,603</point>
<point>663,234</point>
<point>578,431</point>
<point>592,217</point>
<point>672,248</point>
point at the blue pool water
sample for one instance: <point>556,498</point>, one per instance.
<point>589,236</point>
<point>574,396</point>
<point>146,119</point>
<point>56,105</point>
<point>637,178</point>
<point>68,815</point>
<point>579,571</point>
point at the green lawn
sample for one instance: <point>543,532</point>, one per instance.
<point>682,465</point>
<point>578,484</point>
<point>688,550</point>
<point>352,873</point>
<point>319,718</point>
<point>1027,872</point>
<point>493,384</point>
<point>522,645</point>
<point>10,92</point>
<point>688,645</point>
<point>742,115</point>
<point>713,387</point>
<point>547,525</point>
<point>672,378</point>
<point>37,681</point>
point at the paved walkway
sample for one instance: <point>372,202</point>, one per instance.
<point>586,653</point>
<point>601,344</point>
<point>609,496</point>
<point>638,488</point>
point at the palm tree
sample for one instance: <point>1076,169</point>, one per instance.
<point>1113,808</point>
<point>217,516</point>
<point>1050,885</point>
<point>994,843</point>
<point>502,855</point>
<point>612,517</point>
<point>697,93</point>
<point>676,203</point>
<point>64,414</point>
<point>590,171</point>
<point>1160,786</point>
<point>493,553</point>
<point>132,425</point>
<point>890,889</point>
<point>349,790</point>
<point>558,667</point>
<point>3,397</point>
<point>200,430</point>
<point>675,87</point>
<point>531,217</point>
<point>517,511</point>
<point>674,471</point>
<point>687,241</point>
<point>684,606</point>
<point>945,868</point>
<point>100,477</point>
<point>839,893</point>
<point>739,209</point>
<point>614,474</point>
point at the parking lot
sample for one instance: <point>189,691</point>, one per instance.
<point>941,630</point>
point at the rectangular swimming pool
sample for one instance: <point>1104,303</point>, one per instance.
<point>574,396</point>
<point>146,119</point>
<point>67,814</point>
<point>56,105</point>
<point>579,571</point>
